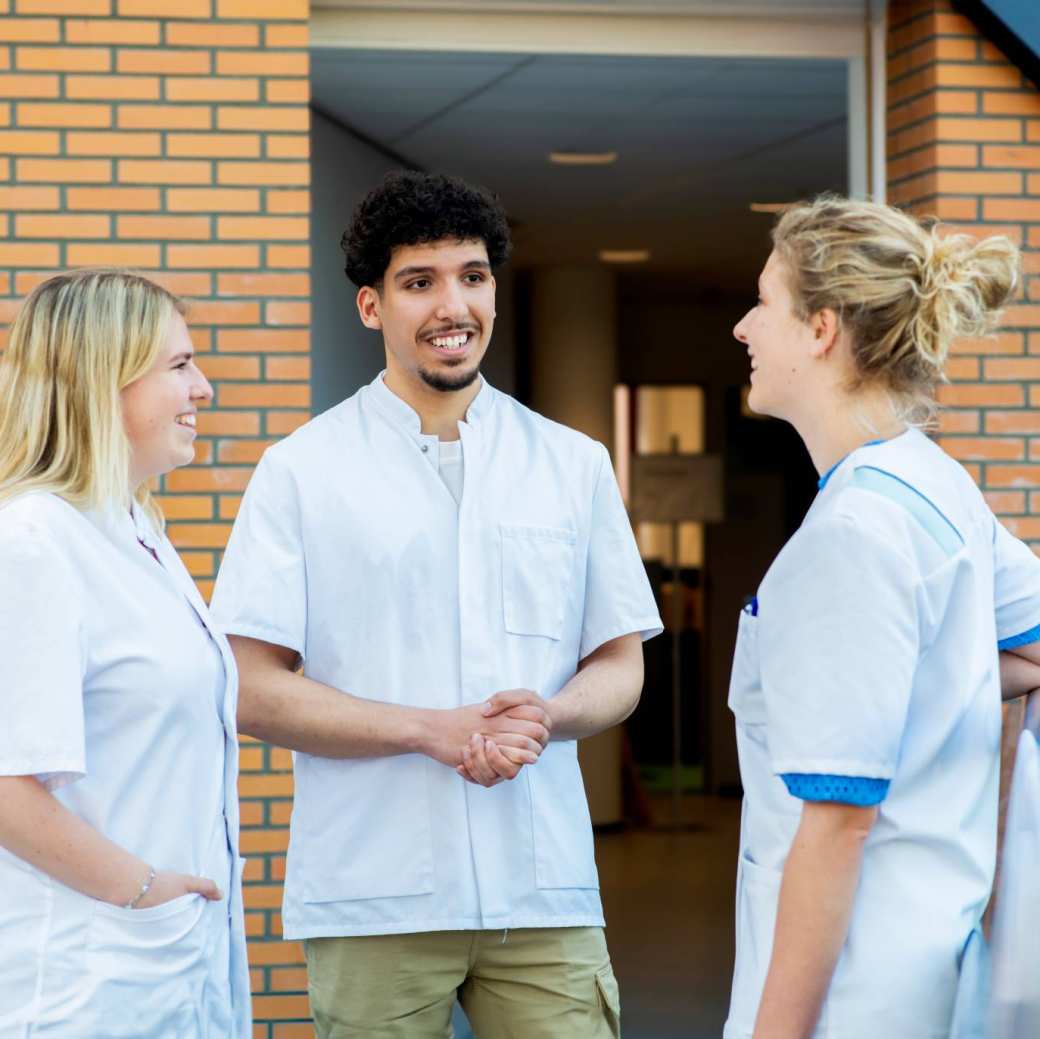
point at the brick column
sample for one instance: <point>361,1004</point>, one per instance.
<point>964,145</point>
<point>171,136</point>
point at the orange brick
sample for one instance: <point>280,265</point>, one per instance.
<point>262,117</point>
<point>263,340</point>
<point>1006,503</point>
<point>984,448</point>
<point>199,535</point>
<point>963,369</point>
<point>110,30</point>
<point>1011,209</point>
<point>122,143</point>
<point>1024,476</point>
<point>1024,421</point>
<point>70,171</point>
<point>292,1030</point>
<point>29,142</point>
<point>116,88</point>
<point>265,785</point>
<point>296,146</point>
<point>33,87</point>
<point>183,283</point>
<point>64,116</point>
<point>1033,130</point>
<point>286,313</point>
<point>1000,368</point>
<point>951,128</point>
<point>283,10</point>
<point>213,256</point>
<point>1026,528</point>
<point>1004,103</point>
<point>958,182</point>
<point>189,34</point>
<point>64,7</point>
<point>185,506</point>
<point>958,421</point>
<point>280,812</point>
<point>263,173</point>
<point>968,395</point>
<point>263,395</point>
<point>280,1008</point>
<point>289,979</point>
<point>287,35</point>
<point>165,117</point>
<point>226,312</point>
<point>112,198</point>
<point>915,83</point>
<point>163,227</point>
<point>265,228</point>
<point>63,59</point>
<point>288,201</point>
<point>30,30</point>
<point>113,254</point>
<point>288,256</point>
<point>1025,315</point>
<point>199,478</point>
<point>215,200</point>
<point>1011,231</point>
<point>214,144</point>
<point>67,225</point>
<point>224,368</point>
<point>238,451</point>
<point>255,925</point>
<point>161,8</point>
<point>1033,187</point>
<point>229,506</point>
<point>287,91</point>
<point>228,423</point>
<point>165,62</point>
<point>251,759</point>
<point>280,953</point>
<point>251,813</point>
<point>976,75</point>
<point>1004,343</point>
<point>263,284</point>
<point>167,171</point>
<point>201,339</point>
<point>262,63</point>
<point>23,198</point>
<point>198,564</point>
<point>1022,157</point>
<point>212,89</point>
<point>26,281</point>
<point>25,254</point>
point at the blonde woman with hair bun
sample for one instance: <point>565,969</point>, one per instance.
<point>868,671</point>
<point>120,886</point>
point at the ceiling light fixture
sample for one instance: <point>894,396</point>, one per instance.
<point>624,255</point>
<point>769,207</point>
<point>582,158</point>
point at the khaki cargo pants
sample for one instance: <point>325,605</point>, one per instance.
<point>529,983</point>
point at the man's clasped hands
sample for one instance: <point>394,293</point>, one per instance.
<point>489,742</point>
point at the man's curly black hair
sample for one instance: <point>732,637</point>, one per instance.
<point>410,208</point>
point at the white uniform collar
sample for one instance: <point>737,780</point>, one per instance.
<point>402,414</point>
<point>125,524</point>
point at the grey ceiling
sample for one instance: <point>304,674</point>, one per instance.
<point>698,138</point>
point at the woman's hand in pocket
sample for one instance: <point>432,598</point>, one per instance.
<point>168,886</point>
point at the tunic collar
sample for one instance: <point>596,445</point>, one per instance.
<point>404,416</point>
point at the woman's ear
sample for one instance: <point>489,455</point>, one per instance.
<point>825,327</point>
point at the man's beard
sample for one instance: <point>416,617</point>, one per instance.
<point>449,382</point>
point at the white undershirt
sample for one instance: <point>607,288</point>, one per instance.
<point>449,464</point>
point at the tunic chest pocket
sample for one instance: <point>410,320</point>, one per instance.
<point>537,563</point>
<point>746,699</point>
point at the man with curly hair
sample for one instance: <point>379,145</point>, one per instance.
<point>433,593</point>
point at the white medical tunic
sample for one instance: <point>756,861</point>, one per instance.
<point>120,697</point>
<point>873,654</point>
<point>350,549</point>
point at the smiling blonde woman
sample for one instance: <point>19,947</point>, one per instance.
<point>120,897</point>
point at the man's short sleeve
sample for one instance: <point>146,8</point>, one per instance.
<point>1016,589</point>
<point>838,643</point>
<point>261,590</point>
<point>618,597</point>
<point>41,691</point>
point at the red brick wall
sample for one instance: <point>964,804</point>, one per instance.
<point>964,145</point>
<point>172,136</point>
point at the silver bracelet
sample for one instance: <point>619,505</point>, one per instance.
<point>132,904</point>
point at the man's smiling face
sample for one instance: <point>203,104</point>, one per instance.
<point>436,309</point>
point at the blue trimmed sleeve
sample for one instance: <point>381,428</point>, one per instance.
<point>852,790</point>
<point>1032,635</point>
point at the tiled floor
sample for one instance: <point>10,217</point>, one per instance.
<point>668,900</point>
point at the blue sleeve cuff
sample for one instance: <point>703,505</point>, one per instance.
<point>850,790</point>
<point>1033,635</point>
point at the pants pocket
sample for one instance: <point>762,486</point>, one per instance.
<point>609,999</point>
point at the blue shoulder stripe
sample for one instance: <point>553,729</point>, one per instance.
<point>942,531</point>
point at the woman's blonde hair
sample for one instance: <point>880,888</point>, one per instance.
<point>78,340</point>
<point>902,291</point>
